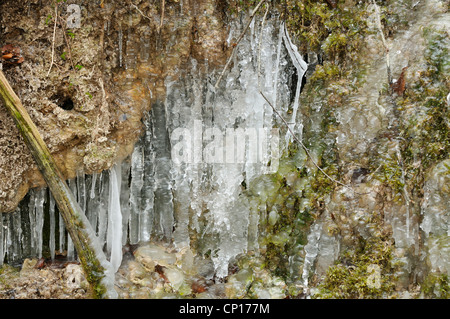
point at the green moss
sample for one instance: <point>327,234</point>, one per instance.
<point>8,273</point>
<point>334,32</point>
<point>94,272</point>
<point>337,37</point>
<point>362,273</point>
<point>423,131</point>
<point>424,125</point>
<point>436,286</point>
<point>237,6</point>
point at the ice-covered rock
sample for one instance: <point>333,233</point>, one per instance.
<point>436,217</point>
<point>152,255</point>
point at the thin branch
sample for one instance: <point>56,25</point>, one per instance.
<point>70,51</point>
<point>162,15</point>
<point>239,40</point>
<point>53,42</point>
<point>298,140</point>
<point>142,13</point>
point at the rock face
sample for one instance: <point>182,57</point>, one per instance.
<point>87,86</point>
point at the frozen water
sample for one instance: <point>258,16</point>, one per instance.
<point>200,146</point>
<point>114,236</point>
<point>436,218</point>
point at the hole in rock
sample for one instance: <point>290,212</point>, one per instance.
<point>64,102</point>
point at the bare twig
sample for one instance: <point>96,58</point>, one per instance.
<point>141,13</point>
<point>239,40</point>
<point>162,15</point>
<point>299,141</point>
<point>53,41</point>
<point>70,51</point>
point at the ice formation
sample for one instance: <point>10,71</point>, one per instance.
<point>186,172</point>
<point>436,218</point>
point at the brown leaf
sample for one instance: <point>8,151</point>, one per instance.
<point>11,54</point>
<point>399,86</point>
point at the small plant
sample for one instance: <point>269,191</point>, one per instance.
<point>71,34</point>
<point>48,19</point>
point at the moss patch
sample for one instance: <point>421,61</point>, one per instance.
<point>436,286</point>
<point>365,272</point>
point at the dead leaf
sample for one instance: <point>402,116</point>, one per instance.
<point>399,86</point>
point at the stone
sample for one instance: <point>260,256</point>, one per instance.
<point>74,277</point>
<point>174,276</point>
<point>138,274</point>
<point>28,265</point>
<point>151,255</point>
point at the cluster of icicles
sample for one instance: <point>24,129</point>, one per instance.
<point>147,196</point>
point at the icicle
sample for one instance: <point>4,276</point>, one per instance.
<point>114,237</point>
<point>36,216</point>
<point>14,240</point>
<point>163,202</point>
<point>311,250</point>
<point>137,182</point>
<point>70,249</point>
<point>103,207</point>
<point>93,202</point>
<point>62,237</point>
<point>40,200</point>
<point>277,69</point>
<point>301,67</point>
<point>146,216</point>
<point>125,198</point>
<point>52,226</point>
<point>2,241</point>
<point>32,217</point>
<point>120,45</point>
<point>93,182</point>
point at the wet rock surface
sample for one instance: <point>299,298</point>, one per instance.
<point>151,271</point>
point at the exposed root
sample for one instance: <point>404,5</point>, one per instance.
<point>53,41</point>
<point>162,15</point>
